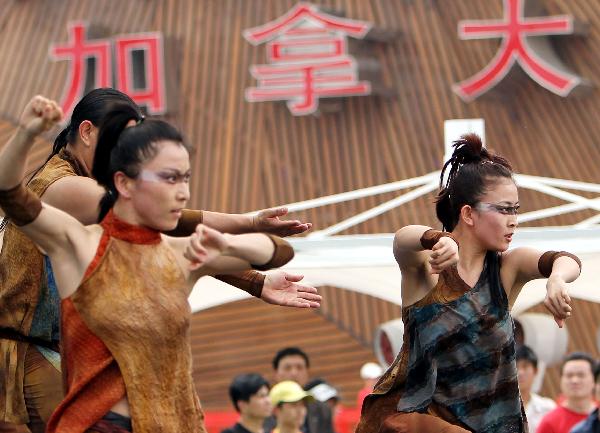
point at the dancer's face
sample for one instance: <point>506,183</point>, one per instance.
<point>162,189</point>
<point>258,406</point>
<point>494,216</point>
<point>577,379</point>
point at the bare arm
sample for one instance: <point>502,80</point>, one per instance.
<point>59,234</point>
<point>76,195</point>
<point>521,266</point>
<point>209,252</point>
<point>417,264</point>
<point>267,221</point>
<point>408,251</point>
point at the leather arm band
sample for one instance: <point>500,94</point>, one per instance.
<point>20,205</point>
<point>248,281</point>
<point>546,261</point>
<point>432,236</point>
<point>187,223</point>
<point>283,253</point>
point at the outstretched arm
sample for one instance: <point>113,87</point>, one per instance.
<point>266,221</point>
<point>277,287</point>
<point>209,252</point>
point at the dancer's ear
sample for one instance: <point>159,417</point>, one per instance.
<point>466,214</point>
<point>124,185</point>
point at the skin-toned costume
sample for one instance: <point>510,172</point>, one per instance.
<point>126,334</point>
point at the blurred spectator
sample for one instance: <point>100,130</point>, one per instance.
<point>577,386</point>
<point>289,402</point>
<point>535,406</point>
<point>292,363</point>
<point>323,392</point>
<point>370,374</point>
<point>592,423</point>
<point>250,396</point>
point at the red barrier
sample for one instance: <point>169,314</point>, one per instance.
<point>345,420</point>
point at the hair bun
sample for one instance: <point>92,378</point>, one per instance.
<point>469,148</point>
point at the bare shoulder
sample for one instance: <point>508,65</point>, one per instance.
<point>520,259</point>
<point>73,185</point>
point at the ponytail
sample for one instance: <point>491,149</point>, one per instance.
<point>112,126</point>
<point>123,148</point>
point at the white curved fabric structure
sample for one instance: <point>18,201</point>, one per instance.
<point>365,264</point>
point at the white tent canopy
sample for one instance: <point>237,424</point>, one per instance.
<point>365,264</point>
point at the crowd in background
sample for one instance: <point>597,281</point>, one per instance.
<point>295,403</point>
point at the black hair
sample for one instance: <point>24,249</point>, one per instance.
<point>92,107</point>
<point>472,168</point>
<point>597,373</point>
<point>125,149</point>
<point>245,386</point>
<point>289,351</point>
<point>314,382</point>
<point>579,356</point>
<point>525,353</point>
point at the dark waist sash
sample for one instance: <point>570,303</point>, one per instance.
<point>11,334</point>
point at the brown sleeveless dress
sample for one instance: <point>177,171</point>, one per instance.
<point>125,332</point>
<point>22,280</point>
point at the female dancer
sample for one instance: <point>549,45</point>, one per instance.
<point>125,336</point>
<point>456,371</point>
<point>29,305</point>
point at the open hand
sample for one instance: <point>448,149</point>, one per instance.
<point>558,301</point>
<point>40,115</point>
<point>267,221</point>
<point>204,245</point>
<point>443,255</point>
<point>281,288</point>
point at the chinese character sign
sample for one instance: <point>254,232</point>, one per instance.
<point>543,66</point>
<point>307,54</point>
<point>139,66</point>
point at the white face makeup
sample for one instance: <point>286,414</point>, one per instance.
<point>495,216</point>
<point>171,176</point>
<point>501,208</point>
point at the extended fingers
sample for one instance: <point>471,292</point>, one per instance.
<point>273,212</point>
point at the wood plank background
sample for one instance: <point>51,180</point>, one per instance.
<point>249,156</point>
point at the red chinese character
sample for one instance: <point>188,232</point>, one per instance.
<point>141,77</point>
<point>303,85</point>
<point>307,51</point>
<point>78,50</point>
<point>152,95</point>
<point>514,31</point>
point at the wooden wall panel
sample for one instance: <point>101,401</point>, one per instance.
<point>249,156</point>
